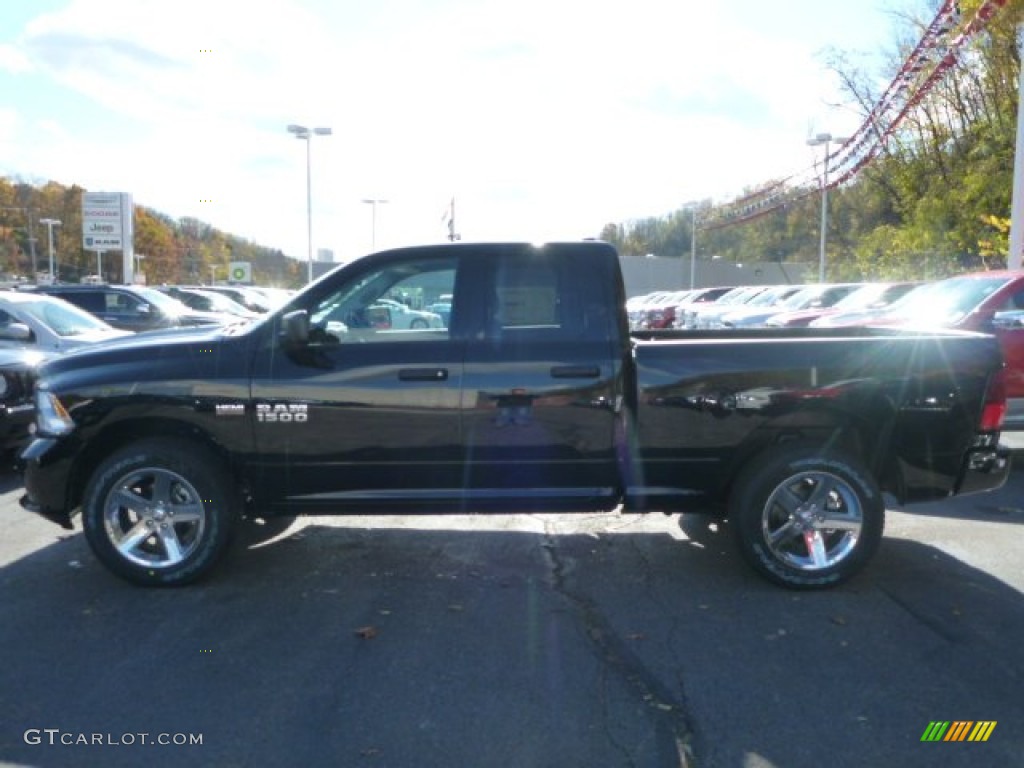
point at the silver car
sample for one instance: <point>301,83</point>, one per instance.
<point>37,321</point>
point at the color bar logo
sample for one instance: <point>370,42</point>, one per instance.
<point>958,730</point>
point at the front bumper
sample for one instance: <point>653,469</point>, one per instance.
<point>63,519</point>
<point>47,472</point>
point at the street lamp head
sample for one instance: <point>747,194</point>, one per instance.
<point>302,132</point>
<point>826,138</point>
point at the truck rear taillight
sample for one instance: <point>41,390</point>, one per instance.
<point>994,410</point>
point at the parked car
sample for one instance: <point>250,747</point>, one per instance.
<point>688,301</point>
<point>275,297</point>
<point>869,297</point>
<point>208,301</point>
<point>711,317</point>
<point>661,313</point>
<point>810,296</point>
<point>403,318</point>
<point>33,320</point>
<point>244,295</point>
<point>691,315</point>
<point>133,307</point>
<point>972,302</point>
<point>637,306</point>
<point>864,315</point>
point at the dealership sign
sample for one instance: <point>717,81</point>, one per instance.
<point>240,272</point>
<point>106,220</point>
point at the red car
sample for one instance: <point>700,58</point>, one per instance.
<point>971,303</point>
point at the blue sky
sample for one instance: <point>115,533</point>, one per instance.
<point>545,119</point>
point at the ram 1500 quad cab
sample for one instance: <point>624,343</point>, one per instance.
<point>532,395</point>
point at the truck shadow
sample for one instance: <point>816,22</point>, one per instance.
<point>338,644</point>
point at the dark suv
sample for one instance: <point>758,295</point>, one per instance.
<point>134,307</point>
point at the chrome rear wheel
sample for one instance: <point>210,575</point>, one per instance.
<point>806,517</point>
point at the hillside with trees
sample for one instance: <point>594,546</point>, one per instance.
<point>174,250</point>
<point>936,202</point>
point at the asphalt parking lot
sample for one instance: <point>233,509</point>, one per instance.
<point>516,640</point>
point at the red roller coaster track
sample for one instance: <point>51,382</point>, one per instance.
<point>932,58</point>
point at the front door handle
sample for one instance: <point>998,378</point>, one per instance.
<point>575,372</point>
<point>423,374</point>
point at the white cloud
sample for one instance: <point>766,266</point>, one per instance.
<point>13,60</point>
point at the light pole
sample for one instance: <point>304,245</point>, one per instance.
<point>373,203</point>
<point>826,139</point>
<point>50,224</point>
<point>306,134</point>
<point>693,244</point>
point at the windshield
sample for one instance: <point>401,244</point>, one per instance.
<point>161,300</point>
<point>946,302</point>
<point>771,296</point>
<point>801,298</point>
<point>863,297</point>
<point>62,318</point>
<point>218,302</point>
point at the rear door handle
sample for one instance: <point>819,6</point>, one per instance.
<point>423,374</point>
<point>575,372</point>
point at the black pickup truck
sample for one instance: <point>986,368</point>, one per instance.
<point>530,395</point>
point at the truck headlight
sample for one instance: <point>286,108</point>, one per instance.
<point>52,418</point>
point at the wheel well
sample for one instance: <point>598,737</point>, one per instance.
<point>116,436</point>
<point>860,426</point>
<point>843,437</point>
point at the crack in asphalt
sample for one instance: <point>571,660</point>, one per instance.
<point>672,726</point>
<point>943,631</point>
<point>653,589</point>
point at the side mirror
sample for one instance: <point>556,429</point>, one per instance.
<point>142,309</point>
<point>295,328</point>
<point>15,332</point>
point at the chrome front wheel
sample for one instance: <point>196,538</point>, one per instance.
<point>159,512</point>
<point>154,518</point>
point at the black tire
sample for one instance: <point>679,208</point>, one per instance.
<point>806,517</point>
<point>159,512</point>
<point>418,323</point>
